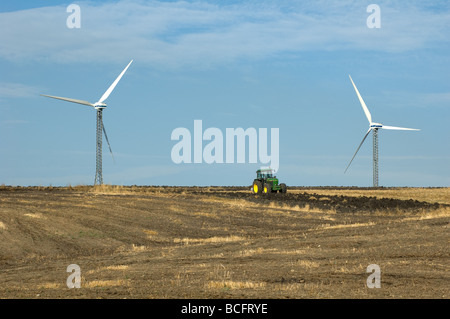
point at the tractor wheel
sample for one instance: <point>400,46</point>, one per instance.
<point>257,187</point>
<point>267,188</point>
<point>283,188</point>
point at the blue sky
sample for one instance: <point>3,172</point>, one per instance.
<point>261,64</point>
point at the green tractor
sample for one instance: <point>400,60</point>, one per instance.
<point>266,183</point>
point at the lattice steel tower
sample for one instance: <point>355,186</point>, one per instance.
<point>375,157</point>
<point>98,158</point>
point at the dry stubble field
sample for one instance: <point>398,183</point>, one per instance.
<point>223,242</point>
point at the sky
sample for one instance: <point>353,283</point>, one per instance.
<point>231,64</point>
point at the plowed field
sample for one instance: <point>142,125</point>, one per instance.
<point>223,242</point>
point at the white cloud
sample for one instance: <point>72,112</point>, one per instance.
<point>15,90</point>
<point>416,99</point>
<point>173,34</point>
<point>442,99</point>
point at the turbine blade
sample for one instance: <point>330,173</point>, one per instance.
<point>69,100</point>
<point>399,128</point>
<point>107,141</point>
<point>365,136</point>
<point>364,106</point>
<point>111,88</point>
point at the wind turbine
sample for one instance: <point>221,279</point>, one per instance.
<point>374,127</point>
<point>98,106</point>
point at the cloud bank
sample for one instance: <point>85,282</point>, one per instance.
<point>175,34</point>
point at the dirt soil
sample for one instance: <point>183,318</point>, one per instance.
<point>223,242</point>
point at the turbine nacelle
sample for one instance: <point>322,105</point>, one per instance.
<point>376,125</point>
<point>98,105</point>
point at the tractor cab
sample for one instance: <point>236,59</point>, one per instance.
<point>264,174</point>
